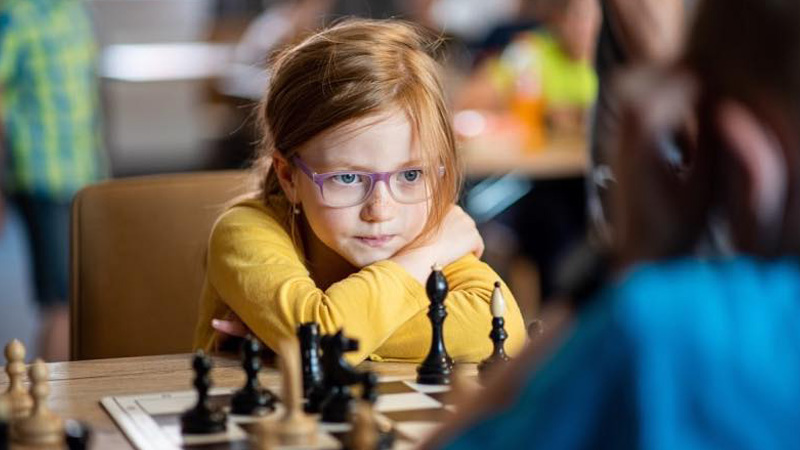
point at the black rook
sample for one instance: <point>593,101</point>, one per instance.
<point>308,335</point>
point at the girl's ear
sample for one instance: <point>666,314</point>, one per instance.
<point>286,176</point>
<point>761,166</point>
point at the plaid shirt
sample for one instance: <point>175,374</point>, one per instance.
<point>49,98</point>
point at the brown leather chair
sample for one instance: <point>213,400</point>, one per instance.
<point>138,255</point>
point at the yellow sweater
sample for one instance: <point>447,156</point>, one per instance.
<point>255,271</point>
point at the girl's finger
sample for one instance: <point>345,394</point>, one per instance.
<point>230,327</point>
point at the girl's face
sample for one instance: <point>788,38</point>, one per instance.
<point>380,226</point>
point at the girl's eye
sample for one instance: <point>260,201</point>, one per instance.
<point>411,176</point>
<point>347,178</point>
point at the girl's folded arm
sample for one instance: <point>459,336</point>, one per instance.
<point>258,273</point>
<point>469,319</point>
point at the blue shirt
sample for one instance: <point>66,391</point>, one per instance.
<point>684,354</point>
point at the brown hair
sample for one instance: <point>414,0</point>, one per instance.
<point>746,48</point>
<point>749,51</point>
<point>350,70</point>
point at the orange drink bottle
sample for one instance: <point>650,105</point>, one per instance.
<point>528,106</point>
<point>527,99</point>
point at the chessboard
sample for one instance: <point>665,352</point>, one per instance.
<point>152,421</point>
<point>315,377</point>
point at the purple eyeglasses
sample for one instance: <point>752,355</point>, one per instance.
<point>346,188</point>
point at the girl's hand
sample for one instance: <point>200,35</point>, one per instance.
<point>233,327</point>
<point>457,236</point>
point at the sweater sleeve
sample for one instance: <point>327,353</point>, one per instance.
<point>468,321</point>
<point>469,307</point>
<point>259,274</point>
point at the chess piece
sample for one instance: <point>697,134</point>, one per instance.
<point>498,334</point>
<point>369,382</point>
<point>252,399</point>
<point>462,387</point>
<point>535,329</point>
<point>437,366</point>
<point>78,434</point>
<point>295,427</point>
<point>308,334</point>
<point>202,418</point>
<point>17,396</point>
<point>5,419</point>
<point>364,432</point>
<point>369,431</point>
<point>313,375</point>
<point>314,389</point>
<point>339,376</point>
<point>41,427</point>
<point>386,433</point>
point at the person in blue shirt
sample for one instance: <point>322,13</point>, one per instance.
<point>673,350</point>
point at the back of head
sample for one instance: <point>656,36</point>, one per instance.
<point>748,52</point>
<point>354,69</point>
<point>748,48</point>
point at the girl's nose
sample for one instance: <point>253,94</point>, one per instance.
<point>380,206</point>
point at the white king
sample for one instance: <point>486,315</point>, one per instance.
<point>498,302</point>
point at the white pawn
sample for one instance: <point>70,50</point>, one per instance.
<point>498,335</point>
<point>364,433</point>
<point>42,427</point>
<point>16,397</point>
<point>294,427</point>
<point>5,410</point>
<point>498,302</point>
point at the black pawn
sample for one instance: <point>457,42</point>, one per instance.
<point>4,434</point>
<point>437,366</point>
<point>202,419</point>
<point>77,435</point>
<point>308,335</point>
<point>498,335</point>
<point>252,399</point>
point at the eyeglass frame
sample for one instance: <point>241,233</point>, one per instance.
<point>375,177</point>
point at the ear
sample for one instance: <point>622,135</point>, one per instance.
<point>757,152</point>
<point>286,176</point>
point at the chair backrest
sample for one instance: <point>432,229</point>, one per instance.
<point>137,261</point>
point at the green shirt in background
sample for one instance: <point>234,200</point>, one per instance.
<point>49,98</point>
<point>563,81</point>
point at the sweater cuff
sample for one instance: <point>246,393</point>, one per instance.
<point>413,288</point>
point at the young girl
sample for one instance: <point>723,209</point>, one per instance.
<point>356,206</point>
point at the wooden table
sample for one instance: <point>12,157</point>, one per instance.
<point>77,387</point>
<point>561,157</point>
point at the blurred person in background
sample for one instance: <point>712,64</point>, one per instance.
<point>672,350</point>
<point>51,132</point>
<point>543,80</point>
<point>550,64</point>
<point>19,319</point>
<point>284,21</point>
<point>633,32</point>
